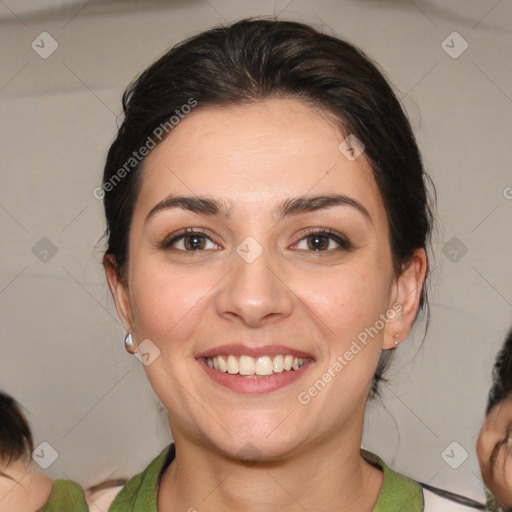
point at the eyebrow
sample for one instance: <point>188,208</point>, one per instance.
<point>203,205</point>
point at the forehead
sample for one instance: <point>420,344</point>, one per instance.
<point>256,155</point>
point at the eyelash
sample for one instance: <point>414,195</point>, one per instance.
<point>343,241</point>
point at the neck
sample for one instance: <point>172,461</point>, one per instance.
<point>328,475</point>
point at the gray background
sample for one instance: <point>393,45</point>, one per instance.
<point>61,343</point>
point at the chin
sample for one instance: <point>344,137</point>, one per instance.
<point>251,447</point>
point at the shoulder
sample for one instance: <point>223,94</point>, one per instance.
<point>398,489</point>
<point>66,495</point>
<point>140,492</point>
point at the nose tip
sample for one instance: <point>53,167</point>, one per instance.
<point>253,291</point>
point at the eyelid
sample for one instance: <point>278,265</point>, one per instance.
<point>174,237</point>
<point>344,242</point>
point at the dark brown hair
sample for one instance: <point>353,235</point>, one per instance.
<point>502,375</point>
<point>501,389</point>
<point>15,435</point>
<point>258,58</point>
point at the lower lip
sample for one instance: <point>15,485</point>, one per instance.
<point>254,384</point>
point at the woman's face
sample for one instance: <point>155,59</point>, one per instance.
<point>258,280</point>
<point>496,436</point>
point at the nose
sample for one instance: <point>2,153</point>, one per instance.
<point>254,292</point>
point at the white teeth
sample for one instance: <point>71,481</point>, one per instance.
<point>278,365</point>
<point>247,365</point>
<point>264,366</point>
<point>223,367</point>
<point>232,365</point>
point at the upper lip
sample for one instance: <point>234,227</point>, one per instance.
<point>237,349</point>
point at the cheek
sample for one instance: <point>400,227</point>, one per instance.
<point>346,306</point>
<point>500,483</point>
<point>349,299</point>
<point>166,302</point>
<point>343,301</point>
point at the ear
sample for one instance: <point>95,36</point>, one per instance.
<point>119,291</point>
<point>492,449</point>
<point>405,299</point>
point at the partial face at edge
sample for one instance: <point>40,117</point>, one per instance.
<point>25,489</point>
<point>495,430</point>
<point>315,293</point>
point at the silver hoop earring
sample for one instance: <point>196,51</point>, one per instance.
<point>128,342</point>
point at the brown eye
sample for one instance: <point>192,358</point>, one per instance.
<point>188,241</point>
<point>320,241</point>
<point>194,242</point>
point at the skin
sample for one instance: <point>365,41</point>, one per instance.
<point>255,157</point>
<point>496,427</point>
<point>27,490</point>
<point>99,501</point>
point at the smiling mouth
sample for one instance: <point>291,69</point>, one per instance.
<point>256,366</point>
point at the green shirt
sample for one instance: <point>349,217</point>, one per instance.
<point>398,492</point>
<point>66,496</point>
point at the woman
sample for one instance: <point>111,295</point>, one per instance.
<point>494,445</point>
<point>268,226</point>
